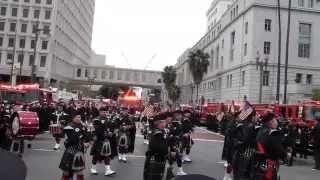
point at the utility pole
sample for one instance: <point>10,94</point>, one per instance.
<point>287,56</point>
<point>13,56</point>
<point>279,54</point>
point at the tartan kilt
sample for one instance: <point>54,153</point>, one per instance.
<point>153,170</point>
<point>67,162</point>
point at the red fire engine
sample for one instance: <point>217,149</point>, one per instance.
<point>34,93</point>
<point>11,94</point>
<point>303,112</point>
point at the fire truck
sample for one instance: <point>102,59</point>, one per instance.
<point>34,93</point>
<point>11,94</point>
<point>304,112</point>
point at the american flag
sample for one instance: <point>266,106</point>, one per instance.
<point>220,116</point>
<point>245,111</point>
<point>232,107</point>
<point>148,112</point>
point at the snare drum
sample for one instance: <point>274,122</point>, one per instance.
<point>25,124</point>
<point>55,129</point>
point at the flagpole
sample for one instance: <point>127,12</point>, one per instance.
<point>13,56</point>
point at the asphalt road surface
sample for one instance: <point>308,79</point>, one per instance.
<point>42,161</point>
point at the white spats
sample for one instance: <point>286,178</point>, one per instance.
<point>56,147</point>
<point>145,141</point>
<point>227,177</point>
<point>225,165</point>
<point>93,169</point>
<point>186,159</point>
<point>180,172</point>
<point>109,171</point>
<point>124,159</point>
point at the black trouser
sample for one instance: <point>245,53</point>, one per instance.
<point>317,157</point>
<point>304,150</point>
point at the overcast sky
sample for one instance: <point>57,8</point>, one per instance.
<point>143,28</point>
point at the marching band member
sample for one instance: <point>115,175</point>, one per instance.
<point>187,129</point>
<point>175,139</point>
<point>59,120</point>
<point>144,129</point>
<point>125,136</point>
<point>73,161</point>
<point>156,167</point>
<point>101,149</point>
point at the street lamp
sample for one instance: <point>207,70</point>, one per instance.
<point>262,66</point>
<point>37,33</point>
<point>90,79</point>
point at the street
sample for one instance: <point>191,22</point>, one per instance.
<point>42,161</point>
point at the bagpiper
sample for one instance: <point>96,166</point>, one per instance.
<point>156,166</point>
<point>187,129</point>
<point>102,147</point>
<point>76,143</point>
<point>59,120</point>
<point>126,135</point>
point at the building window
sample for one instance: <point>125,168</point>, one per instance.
<point>310,3</point>
<point>127,76</point>
<point>2,26</point>
<point>143,77</point>
<point>304,40</point>
<point>298,78</point>
<point>34,28</point>
<point>220,83</point>
<point>1,41</point>
<point>221,63</point>
<point>43,61</point>
<point>246,28</point>
<point>245,49</point>
<point>9,56</point>
<point>11,42</point>
<point>265,78</point>
<point>49,1</point>
<point>25,13</point>
<point>36,13</point>
<point>300,3</point>
<point>233,36</point>
<point>12,27</point>
<point>222,44</point>
<point>78,72</point>
<point>111,74</point>
<point>119,75</point>
<point>38,1</point>
<point>95,73</point>
<point>20,59</point>
<point>86,72</point>
<point>266,48</point>
<point>135,77</point>
<point>243,78</point>
<point>24,28</point>
<point>32,44</point>
<point>267,25</point>
<point>45,45</point>
<point>46,29</point>
<point>227,81</point>
<point>47,14</point>
<point>237,9</point>
<point>22,43</point>
<point>217,57</point>
<point>103,74</point>
<point>27,1</point>
<point>14,12</point>
<point>31,60</point>
<point>309,79</point>
<point>3,11</point>
<point>230,85</point>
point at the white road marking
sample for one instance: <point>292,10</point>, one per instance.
<point>136,156</point>
<point>222,162</point>
<point>208,140</point>
<point>48,150</point>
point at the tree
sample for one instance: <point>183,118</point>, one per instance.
<point>198,65</point>
<point>174,93</point>
<point>169,76</point>
<point>316,94</point>
<point>109,92</point>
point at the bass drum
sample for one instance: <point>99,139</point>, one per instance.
<point>25,124</point>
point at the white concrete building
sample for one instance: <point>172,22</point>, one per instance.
<point>97,59</point>
<point>68,43</point>
<point>248,27</point>
<point>215,12</point>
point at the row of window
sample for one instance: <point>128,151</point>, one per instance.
<point>307,3</point>
<point>25,12</point>
<point>22,58</point>
<point>22,43</point>
<point>103,75</point>
<point>32,1</point>
<point>12,27</point>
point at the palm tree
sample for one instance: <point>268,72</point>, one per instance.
<point>198,64</point>
<point>174,93</point>
<point>169,76</point>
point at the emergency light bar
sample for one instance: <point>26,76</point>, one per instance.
<point>132,98</point>
<point>28,86</point>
